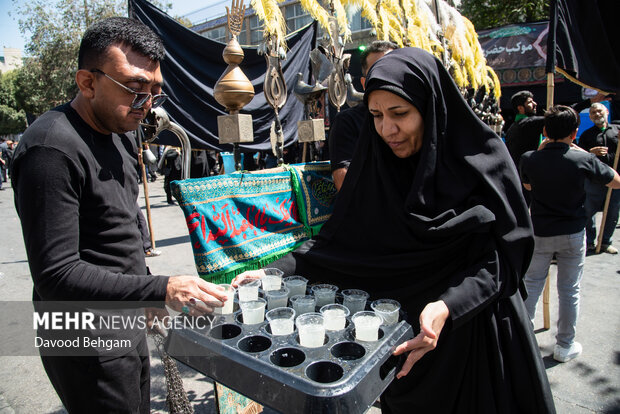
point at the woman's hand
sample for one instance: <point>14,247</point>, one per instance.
<point>249,275</point>
<point>432,320</point>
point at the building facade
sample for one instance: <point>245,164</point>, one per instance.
<point>295,17</point>
<point>12,59</point>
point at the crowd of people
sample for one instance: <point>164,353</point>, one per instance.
<point>442,181</point>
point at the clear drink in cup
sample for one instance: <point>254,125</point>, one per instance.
<point>272,279</point>
<point>253,311</point>
<point>354,300</point>
<point>366,325</point>
<point>248,289</point>
<point>281,321</point>
<point>296,285</point>
<point>388,309</point>
<point>303,303</point>
<point>228,305</point>
<point>276,298</point>
<point>334,317</point>
<point>324,294</point>
<point>311,330</point>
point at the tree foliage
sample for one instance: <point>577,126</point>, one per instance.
<point>47,78</point>
<point>485,14</point>
<point>12,119</point>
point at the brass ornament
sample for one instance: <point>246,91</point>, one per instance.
<point>233,90</point>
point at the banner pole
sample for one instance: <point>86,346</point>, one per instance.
<point>599,243</point>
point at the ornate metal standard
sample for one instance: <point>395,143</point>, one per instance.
<point>333,48</point>
<point>233,89</point>
<point>310,130</point>
<point>275,89</point>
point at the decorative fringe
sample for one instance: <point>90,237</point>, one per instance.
<point>226,276</point>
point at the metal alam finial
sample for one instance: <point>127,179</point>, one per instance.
<point>235,18</point>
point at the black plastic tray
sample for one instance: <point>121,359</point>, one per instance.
<point>342,376</point>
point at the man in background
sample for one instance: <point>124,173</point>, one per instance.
<point>347,124</point>
<point>602,141</point>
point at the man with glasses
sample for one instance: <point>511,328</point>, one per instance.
<point>75,180</point>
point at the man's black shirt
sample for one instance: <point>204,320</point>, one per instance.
<point>595,137</point>
<point>343,135</point>
<point>523,136</point>
<point>557,174</point>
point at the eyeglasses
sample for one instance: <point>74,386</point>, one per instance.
<point>140,97</point>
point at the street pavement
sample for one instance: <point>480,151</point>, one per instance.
<point>588,384</point>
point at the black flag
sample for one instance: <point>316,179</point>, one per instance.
<point>584,36</point>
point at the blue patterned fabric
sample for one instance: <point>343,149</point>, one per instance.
<point>243,221</point>
<point>315,190</point>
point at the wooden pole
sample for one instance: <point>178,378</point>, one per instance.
<point>546,313</point>
<point>599,244</point>
<point>546,316</point>
<point>550,89</point>
<point>146,195</point>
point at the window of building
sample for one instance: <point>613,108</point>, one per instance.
<point>296,17</point>
<point>256,30</point>
<point>359,23</point>
<point>218,34</point>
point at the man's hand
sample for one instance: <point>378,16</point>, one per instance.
<point>599,151</point>
<point>543,143</point>
<point>338,176</point>
<point>432,320</point>
<point>195,294</point>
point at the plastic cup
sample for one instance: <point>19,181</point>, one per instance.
<point>253,311</point>
<point>311,330</point>
<point>296,285</point>
<point>281,321</point>
<point>354,300</point>
<point>387,309</point>
<point>324,294</point>
<point>334,316</point>
<point>303,304</point>
<point>248,289</point>
<point>276,298</point>
<point>272,279</point>
<point>367,326</point>
<point>228,305</point>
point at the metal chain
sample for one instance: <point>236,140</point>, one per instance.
<point>177,400</point>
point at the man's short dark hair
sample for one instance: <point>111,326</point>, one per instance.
<point>118,31</point>
<point>560,122</point>
<point>378,46</point>
<point>519,98</point>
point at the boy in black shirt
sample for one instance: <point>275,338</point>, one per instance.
<point>555,175</point>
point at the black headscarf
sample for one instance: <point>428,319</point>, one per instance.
<point>408,228</point>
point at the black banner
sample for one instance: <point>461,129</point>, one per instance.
<point>194,63</point>
<point>587,45</point>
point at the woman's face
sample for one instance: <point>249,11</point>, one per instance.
<point>398,122</point>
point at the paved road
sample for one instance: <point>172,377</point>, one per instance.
<point>589,384</point>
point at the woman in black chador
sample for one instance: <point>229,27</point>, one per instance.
<point>431,214</point>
